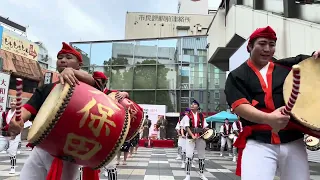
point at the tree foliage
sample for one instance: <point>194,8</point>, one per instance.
<point>143,75</point>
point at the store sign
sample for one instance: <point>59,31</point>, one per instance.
<point>48,78</point>
<point>4,88</point>
<point>19,46</point>
<point>165,18</point>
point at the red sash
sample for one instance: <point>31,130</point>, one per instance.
<point>247,131</point>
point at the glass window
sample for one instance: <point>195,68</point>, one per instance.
<point>200,97</point>
<point>84,49</point>
<point>185,77</point>
<point>167,97</point>
<point>167,76</point>
<point>217,95</point>
<point>202,52</point>
<point>145,77</point>
<point>216,81</point>
<point>199,76</point>
<point>145,52</point>
<point>122,53</point>
<point>188,52</point>
<point>121,77</point>
<point>101,54</point>
<point>144,97</point>
<point>201,59</point>
<point>216,76</point>
<point>168,51</point>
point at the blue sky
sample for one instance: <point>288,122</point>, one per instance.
<point>53,22</point>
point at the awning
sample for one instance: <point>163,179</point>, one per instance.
<point>220,57</point>
<point>21,66</point>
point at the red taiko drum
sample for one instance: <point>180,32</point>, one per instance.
<point>136,115</point>
<point>304,100</point>
<point>80,124</point>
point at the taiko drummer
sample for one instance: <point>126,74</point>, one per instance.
<point>254,91</point>
<point>41,165</point>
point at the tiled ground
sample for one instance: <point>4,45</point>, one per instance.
<point>156,164</point>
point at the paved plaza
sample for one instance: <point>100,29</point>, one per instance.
<point>155,164</point>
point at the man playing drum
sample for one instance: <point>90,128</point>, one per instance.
<point>225,131</point>
<point>41,165</point>
<point>237,128</point>
<point>195,125</point>
<point>184,140</point>
<point>255,92</point>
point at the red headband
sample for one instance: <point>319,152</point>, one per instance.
<point>266,32</point>
<point>67,49</point>
<point>99,75</point>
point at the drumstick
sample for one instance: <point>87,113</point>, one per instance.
<point>19,98</point>
<point>294,93</point>
<point>295,90</point>
<point>18,103</point>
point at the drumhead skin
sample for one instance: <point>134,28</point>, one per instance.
<point>209,134</point>
<point>81,125</point>
<point>306,107</point>
<point>314,141</point>
<point>47,112</point>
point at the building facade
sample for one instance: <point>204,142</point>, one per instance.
<point>45,61</point>
<point>166,71</point>
<point>153,25</point>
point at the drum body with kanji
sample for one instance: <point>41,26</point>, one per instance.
<point>136,115</point>
<point>80,124</point>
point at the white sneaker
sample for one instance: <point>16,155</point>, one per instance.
<point>178,158</point>
<point>192,165</point>
<point>18,152</point>
<point>234,159</point>
<point>12,171</point>
<point>221,154</point>
<point>105,173</point>
<point>203,177</point>
<point>187,177</point>
<point>183,165</point>
<point>230,155</point>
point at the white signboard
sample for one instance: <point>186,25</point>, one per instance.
<point>153,112</point>
<point>239,57</point>
<point>48,77</point>
<point>4,88</point>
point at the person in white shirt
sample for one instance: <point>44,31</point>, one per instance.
<point>237,128</point>
<point>183,138</point>
<point>195,125</point>
<point>179,156</point>
<point>225,131</point>
<point>6,139</point>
